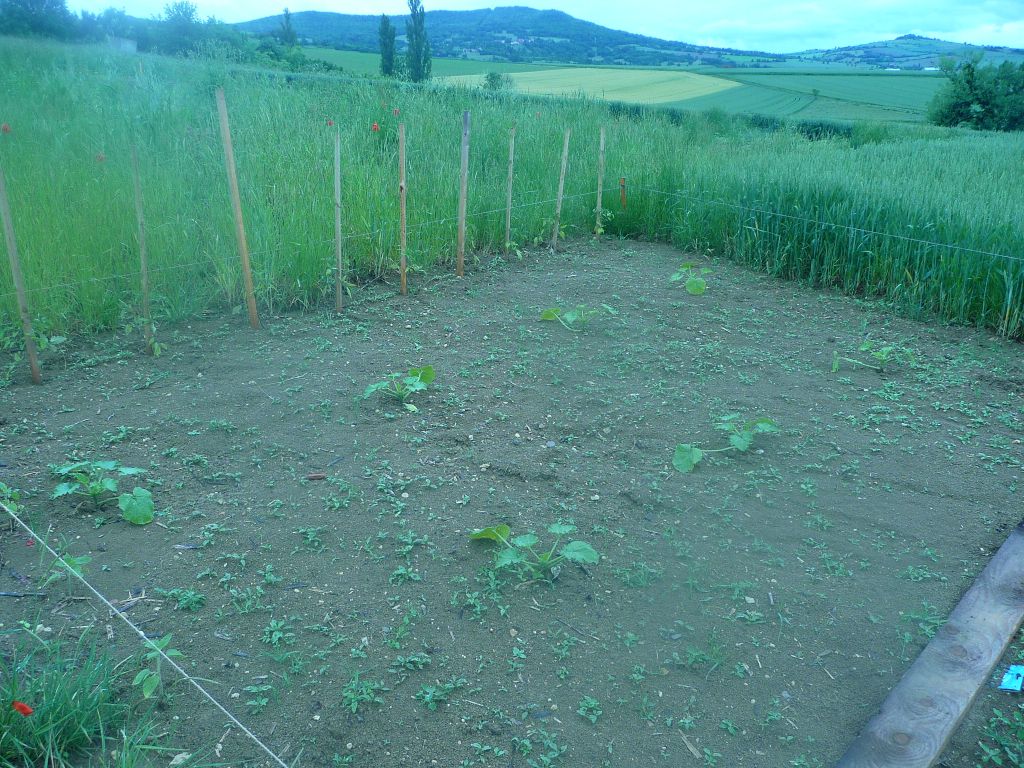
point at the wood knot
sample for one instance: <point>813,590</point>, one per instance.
<point>901,739</point>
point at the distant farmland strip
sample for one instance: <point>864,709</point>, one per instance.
<point>638,86</point>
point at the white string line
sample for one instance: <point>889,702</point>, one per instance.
<point>267,251</point>
<point>149,643</point>
<point>820,223</point>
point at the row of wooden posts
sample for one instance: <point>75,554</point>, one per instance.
<point>243,246</point>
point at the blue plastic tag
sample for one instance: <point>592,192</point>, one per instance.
<point>1013,680</point>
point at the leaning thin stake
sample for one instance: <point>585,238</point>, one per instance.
<point>401,208</point>
<point>236,203</point>
<point>508,195</point>
<point>561,189</point>
<point>339,259</point>
<point>460,262</point>
<point>19,282</point>
<point>148,643</point>
<point>598,228</point>
<point>147,318</point>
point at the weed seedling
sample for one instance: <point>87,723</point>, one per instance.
<point>149,678</point>
<point>518,552</point>
<point>401,388</point>
<point>695,284</point>
<point>578,318</point>
<point>741,437</point>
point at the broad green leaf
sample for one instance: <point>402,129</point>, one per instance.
<point>65,489</point>
<point>550,314</point>
<point>762,425</point>
<point>493,533</point>
<point>686,457</point>
<point>108,484</point>
<point>561,529</point>
<point>425,374</point>
<point>741,440</point>
<point>526,540</point>
<point>835,362</point>
<point>142,674</point>
<point>375,388</point>
<point>580,552</point>
<point>610,310</point>
<point>509,556</point>
<point>688,265</point>
<point>677,276</point>
<point>106,466</point>
<point>137,507</point>
<point>149,687</point>
<point>572,316</point>
<point>67,469</point>
<point>410,407</point>
<point>706,270</point>
<point>695,286</point>
<point>130,471</point>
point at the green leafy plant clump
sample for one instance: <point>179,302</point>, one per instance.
<point>401,387</point>
<point>578,318</point>
<point>521,554</point>
<point>97,484</point>
<point>741,438</point>
<point>693,278</point>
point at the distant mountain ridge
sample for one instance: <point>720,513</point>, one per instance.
<point>518,33</point>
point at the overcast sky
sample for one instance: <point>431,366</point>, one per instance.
<point>783,26</point>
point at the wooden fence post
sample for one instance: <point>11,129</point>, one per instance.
<point>460,263</point>
<point>147,319</point>
<point>561,190</point>
<point>401,208</point>
<point>339,259</point>
<point>598,229</point>
<point>622,191</point>
<point>19,282</point>
<point>508,195</point>
<point>236,202</point>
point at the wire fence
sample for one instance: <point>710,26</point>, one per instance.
<point>149,644</point>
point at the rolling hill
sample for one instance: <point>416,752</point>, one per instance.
<point>520,34</point>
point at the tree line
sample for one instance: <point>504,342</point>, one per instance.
<point>178,31</point>
<point>416,64</point>
<point>986,97</point>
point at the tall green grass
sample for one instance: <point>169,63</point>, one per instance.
<point>706,182</point>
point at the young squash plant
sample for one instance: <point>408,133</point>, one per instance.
<point>741,438</point>
<point>695,284</point>
<point>521,554</point>
<point>96,482</point>
<point>401,388</point>
<point>576,319</point>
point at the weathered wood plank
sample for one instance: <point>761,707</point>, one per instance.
<point>922,712</point>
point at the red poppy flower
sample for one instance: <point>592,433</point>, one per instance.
<point>375,128</point>
<point>22,708</point>
<point>395,111</point>
<point>30,542</point>
<point>100,157</point>
<point>330,123</point>
<point>5,128</point>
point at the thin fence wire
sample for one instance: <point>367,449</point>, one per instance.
<point>146,641</point>
<point>826,224</point>
<point>268,251</point>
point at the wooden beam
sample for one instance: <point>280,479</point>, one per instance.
<point>923,711</point>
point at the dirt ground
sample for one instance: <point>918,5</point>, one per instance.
<point>753,612</point>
